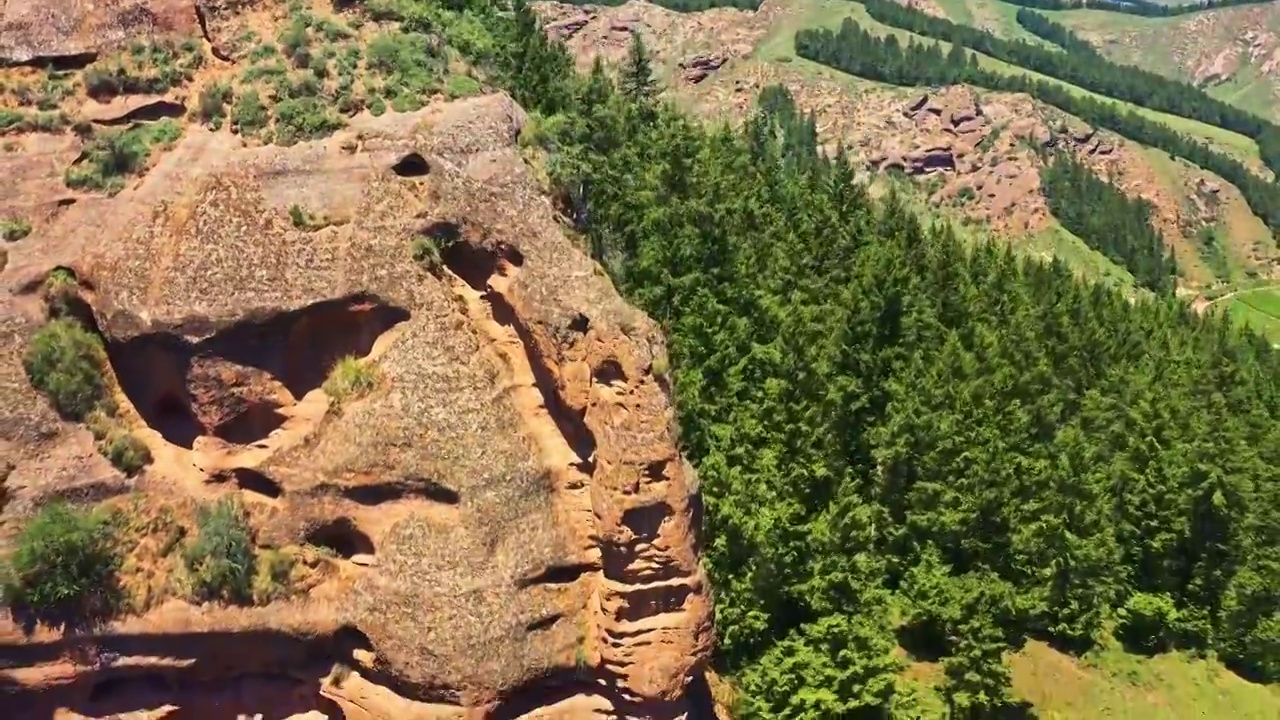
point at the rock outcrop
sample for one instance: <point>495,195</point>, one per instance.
<point>511,530</point>
<point>57,31</point>
<point>697,68</point>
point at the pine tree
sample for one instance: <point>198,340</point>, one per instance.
<point>637,74</point>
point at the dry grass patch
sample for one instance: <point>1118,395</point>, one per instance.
<point>351,378</point>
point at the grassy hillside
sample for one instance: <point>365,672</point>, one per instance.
<point>1259,308</point>
<point>1111,684</point>
<point>1229,249</point>
<point>1114,684</point>
<point>1238,41</point>
<point>1054,241</point>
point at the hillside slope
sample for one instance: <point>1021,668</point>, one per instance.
<point>1215,238</point>
<point>876,121</point>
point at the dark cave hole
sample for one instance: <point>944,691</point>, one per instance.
<point>609,372</point>
<point>656,470</point>
<point>411,165</point>
<point>242,695</point>
<point>160,372</point>
<point>348,638</point>
<point>172,418</point>
<point>411,487</point>
<point>646,520</point>
<point>321,335</point>
<point>475,265</point>
<point>113,687</point>
<point>556,575</point>
<point>343,537</point>
<point>253,481</point>
<point>545,623</point>
<point>252,425</point>
<point>580,324</point>
<point>151,112</point>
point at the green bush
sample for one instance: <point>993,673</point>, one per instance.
<point>220,561</point>
<point>409,66</point>
<point>11,119</point>
<point>460,86</point>
<point>110,157</point>
<point>250,114</point>
<point>65,362</point>
<point>265,51</point>
<point>125,451</point>
<point>60,289</point>
<point>350,378</point>
<point>213,101</point>
<point>150,69</point>
<point>63,567</point>
<point>305,118</point>
<point>1148,623</point>
<point>426,250</point>
<point>264,71</point>
<point>272,579</point>
<point>303,219</point>
<point>14,229</point>
<point>294,37</point>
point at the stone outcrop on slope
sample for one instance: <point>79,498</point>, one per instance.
<point>54,30</point>
<point>513,530</point>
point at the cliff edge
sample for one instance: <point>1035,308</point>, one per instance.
<point>500,527</point>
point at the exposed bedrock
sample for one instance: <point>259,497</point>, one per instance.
<point>511,531</point>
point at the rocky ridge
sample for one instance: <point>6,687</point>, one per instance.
<point>510,529</point>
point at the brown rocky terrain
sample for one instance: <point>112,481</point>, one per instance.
<point>504,528</point>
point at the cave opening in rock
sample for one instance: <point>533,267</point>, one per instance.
<point>318,339</point>
<point>341,536</point>
<point>111,688</point>
<point>409,488</point>
<point>238,382</point>
<point>544,623</point>
<point>475,265</point>
<point>251,480</point>
<point>348,639</point>
<point>246,694</point>
<point>257,422</point>
<point>556,575</point>
<point>610,372</point>
<point>411,165</point>
<point>171,417</point>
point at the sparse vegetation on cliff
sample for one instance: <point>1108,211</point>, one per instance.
<point>63,567</point>
<point>351,378</point>
<point>110,157</point>
<point>14,229</point>
<point>145,68</point>
<point>220,559</point>
<point>65,362</point>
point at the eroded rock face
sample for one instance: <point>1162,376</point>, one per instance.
<point>513,528</point>
<point>68,30</point>
<point>697,68</point>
